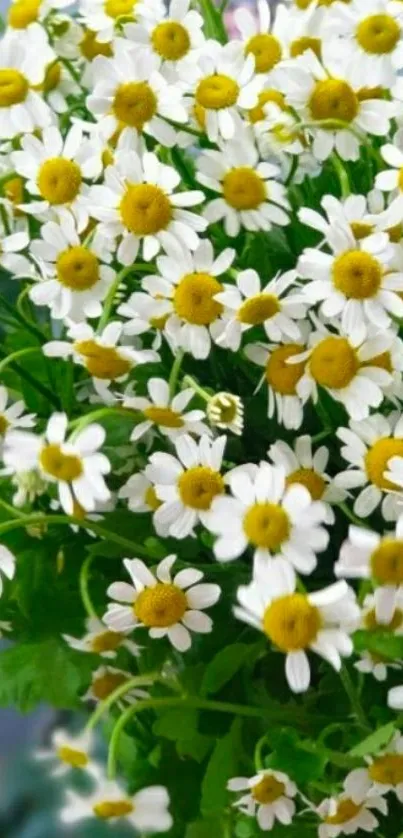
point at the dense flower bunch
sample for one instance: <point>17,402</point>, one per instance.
<point>201,432</point>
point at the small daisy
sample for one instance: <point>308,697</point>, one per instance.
<point>99,640</point>
<point>75,464</point>
<point>130,95</point>
<point>23,62</point>
<point>68,752</point>
<point>166,413</point>
<point>268,797</point>
<point>144,314</point>
<point>278,521</point>
<point>22,13</point>
<point>7,566</point>
<point>296,622</point>
<point>368,555</point>
<point>105,680</point>
<point>250,193</point>
<point>357,283</point>
<point>368,447</point>
<point>74,281</point>
<point>383,774</point>
<point>140,494</point>
<point>11,256</point>
<point>358,214</point>
<point>102,356</point>
<point>391,180</point>
<point>308,469</point>
<point>282,379</point>
<point>55,169</point>
<point>186,484</point>
<point>263,38</point>
<point>146,811</point>
<point>346,815</point>
<point>138,203</point>
<point>12,416</point>
<point>189,282</point>
<point>247,304</point>
<point>102,16</point>
<point>395,698</point>
<point>226,85</point>
<point>57,86</point>
<point>348,369</point>
<point>226,412</point>
<point>372,664</point>
<point>168,606</point>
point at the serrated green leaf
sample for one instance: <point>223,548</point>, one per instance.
<point>289,756</point>
<point>382,643</point>
<point>373,743</point>
<point>222,765</point>
<point>226,663</point>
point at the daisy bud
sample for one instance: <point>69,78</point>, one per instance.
<point>224,410</point>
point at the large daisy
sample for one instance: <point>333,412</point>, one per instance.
<point>138,204</point>
<point>298,622</point>
<point>166,414</point>
<point>280,522</point>
<point>23,61</point>
<point>263,37</point>
<point>167,606</point>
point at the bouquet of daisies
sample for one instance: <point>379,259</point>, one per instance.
<point>201,430</point>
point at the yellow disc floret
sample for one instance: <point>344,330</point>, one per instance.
<point>135,104</point>
<point>266,49</point>
<point>145,209</point>
<point>59,180</point>
<point>160,606</point>
<point>194,299</point>
<point>14,87</point>
<point>387,562</point>
<point>303,44</point>
<point>216,92</point>
<point>65,467</point>
<point>266,525</point>
<point>377,458</point>
<point>282,376</point>
<point>77,759</point>
<point>387,770</point>
<point>378,34</point>
<point>357,275</point>
<point>309,478</point>
<point>270,96</point>
<point>199,486</point>
<point>257,309</point>
<point>77,268</point>
<point>90,47</point>
<point>267,790</point>
<point>346,811</point>
<point>108,809</point>
<point>107,683</point>
<point>333,99</point>
<point>243,189</point>
<point>291,622</point>
<point>107,641</point>
<point>151,499</point>
<point>164,416</point>
<point>119,8</point>
<point>170,40</point>
<point>361,230</point>
<point>23,12</point>
<point>334,363</point>
<point>102,362</point>
<point>4,424</point>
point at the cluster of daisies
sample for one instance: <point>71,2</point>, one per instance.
<point>142,154</point>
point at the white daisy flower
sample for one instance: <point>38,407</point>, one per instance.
<point>68,752</point>
<point>350,812</point>
<point>370,664</point>
<point>366,36</point>
<point>140,494</point>
<point>23,62</point>
<point>308,469</point>
<point>11,256</point>
<point>326,98</point>
<point>106,679</point>
<point>368,447</point>
<point>57,86</point>
<point>247,304</point>
<point>174,37</point>
<point>130,95</point>
<point>166,413</point>
<point>138,203</point>
<point>102,16</point>
<point>268,797</point>
<point>391,180</point>
<point>99,640</point>
<point>263,37</point>
<point>12,416</point>
<point>168,606</point>
<point>347,368</point>
<point>146,811</point>
<point>144,314</point>
<point>280,522</point>
<point>226,412</point>
<point>75,464</point>
<point>186,484</point>
<point>360,282</point>
<point>225,86</point>
<point>395,698</point>
<point>56,169</point>
<point>102,356</point>
<point>295,622</point>
<point>7,566</point>
<point>368,555</point>
<point>383,774</point>
<point>360,215</point>
<point>22,13</point>
<point>188,281</point>
<point>251,196</point>
<point>74,281</point>
<point>278,133</point>
<point>282,379</point>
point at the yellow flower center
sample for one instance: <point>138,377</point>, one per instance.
<point>170,40</point>
<point>309,478</point>
<point>346,811</point>
<point>357,275</point>
<point>135,103</point>
<point>108,809</point>
<point>334,363</point>
<point>224,408</point>
<point>258,309</point>
<point>66,467</point>
<point>90,47</point>
<point>281,376</point>
<point>23,12</point>
<point>194,299</point>
<point>360,230</point>
<point>59,180</point>
<point>383,362</point>
<point>301,45</point>
<point>304,4</point>
<point>291,622</point>
<point>159,323</point>
<point>267,51</point>
<point>257,113</point>
<point>377,458</point>
<point>199,114</point>
<point>199,486</point>
<point>103,686</point>
<point>145,209</point>
<point>333,99</point>
<point>4,424</point>
<point>387,770</point>
<point>216,92</point>
<point>13,87</point>
<point>371,623</point>
<point>151,499</point>
<point>107,641</point>
<point>164,416</point>
<point>366,93</point>
<point>160,606</point>
<point>119,8</point>
<point>77,268</point>
<point>103,362</point>
<point>387,562</point>
<point>266,525</point>
<point>378,34</point>
<point>77,759</point>
<point>267,790</point>
<point>243,189</point>
<point>78,511</point>
<point>14,191</point>
<point>395,233</point>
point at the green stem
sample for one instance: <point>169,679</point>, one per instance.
<point>173,378</point>
<point>4,219</point>
<point>321,436</point>
<point>350,515</point>
<point>84,584</point>
<point>214,25</point>
<point>72,70</point>
<point>96,415</point>
<point>16,313</point>
<point>110,298</point>
<point>342,175</point>
<point>15,513</point>
<point>354,699</point>
<point>103,707</point>
<point>258,755</point>
<point>37,385</point>
<point>191,382</point>
<point>19,353</point>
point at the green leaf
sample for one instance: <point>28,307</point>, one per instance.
<point>222,765</point>
<point>373,743</point>
<point>205,829</point>
<point>290,756</point>
<point>224,666</point>
<point>181,726</point>
<point>382,643</point>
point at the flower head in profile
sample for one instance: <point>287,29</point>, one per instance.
<point>383,773</point>
<point>12,416</point>
<point>351,811</point>
<point>99,640</point>
<point>268,796</point>
<point>69,752</point>
<point>167,415</point>
<point>167,606</point>
<point>106,679</point>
